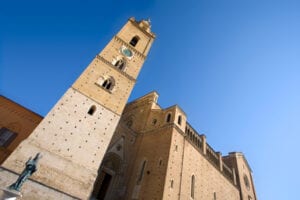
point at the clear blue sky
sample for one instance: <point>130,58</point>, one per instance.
<point>232,65</point>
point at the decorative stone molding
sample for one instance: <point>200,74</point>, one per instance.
<point>118,39</point>
<point>112,66</point>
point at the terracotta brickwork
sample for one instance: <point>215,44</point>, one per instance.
<point>17,119</point>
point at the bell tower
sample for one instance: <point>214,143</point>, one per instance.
<point>75,134</point>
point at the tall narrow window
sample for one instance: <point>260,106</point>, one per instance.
<point>105,83</point>
<point>134,40</point>
<point>160,162</point>
<point>141,174</point>
<point>193,186</point>
<point>108,86</point>
<point>169,117</point>
<point>179,120</point>
<point>172,183</point>
<point>215,196</point>
<point>92,110</point>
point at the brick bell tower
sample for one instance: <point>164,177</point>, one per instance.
<point>75,134</point>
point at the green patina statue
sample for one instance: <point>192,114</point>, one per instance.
<point>30,168</point>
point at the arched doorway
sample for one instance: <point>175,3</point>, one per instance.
<point>106,173</point>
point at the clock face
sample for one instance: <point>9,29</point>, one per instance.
<point>126,52</point>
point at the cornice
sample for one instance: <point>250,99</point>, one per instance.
<point>118,39</point>
<point>152,35</point>
<point>113,67</point>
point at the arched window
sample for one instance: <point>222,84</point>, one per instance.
<point>108,84</point>
<point>120,64</point>
<point>92,110</point>
<point>169,117</point>
<point>129,124</point>
<point>154,121</point>
<point>141,174</point>
<point>179,120</point>
<point>134,40</point>
<point>193,186</point>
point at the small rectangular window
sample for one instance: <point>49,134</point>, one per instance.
<point>6,137</point>
<point>215,196</point>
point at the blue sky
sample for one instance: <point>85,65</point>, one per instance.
<point>232,65</point>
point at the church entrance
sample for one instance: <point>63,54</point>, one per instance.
<point>103,183</point>
<point>106,182</point>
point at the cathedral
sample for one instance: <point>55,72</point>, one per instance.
<point>94,145</point>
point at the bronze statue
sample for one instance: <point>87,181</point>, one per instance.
<point>30,168</point>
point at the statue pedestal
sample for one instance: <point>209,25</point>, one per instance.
<point>7,194</point>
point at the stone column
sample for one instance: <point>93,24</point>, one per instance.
<point>234,175</point>
<point>220,161</point>
<point>203,138</point>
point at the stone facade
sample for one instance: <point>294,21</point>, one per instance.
<point>243,171</point>
<point>75,134</point>
<point>156,154</point>
<point>33,189</point>
<point>173,154</point>
<point>95,147</point>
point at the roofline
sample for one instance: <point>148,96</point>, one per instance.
<point>244,157</point>
<point>8,99</point>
